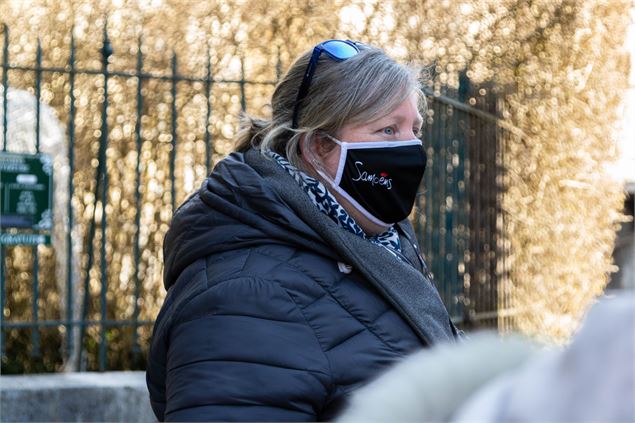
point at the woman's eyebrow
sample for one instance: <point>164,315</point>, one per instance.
<point>400,119</point>
<point>418,121</point>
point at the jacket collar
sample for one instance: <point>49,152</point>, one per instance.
<point>413,295</point>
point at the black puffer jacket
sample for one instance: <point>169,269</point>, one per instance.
<point>263,320</point>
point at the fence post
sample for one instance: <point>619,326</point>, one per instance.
<point>103,145</point>
<point>5,86</point>
<point>100,186</point>
<point>208,97</point>
<point>135,345</point>
<point>35,331</point>
<point>69,235</point>
<point>464,205</point>
<point>468,255</point>
<point>441,276</point>
<point>174,123</point>
<point>5,108</point>
<point>435,217</point>
<point>427,240</point>
<point>449,207</point>
<point>243,100</point>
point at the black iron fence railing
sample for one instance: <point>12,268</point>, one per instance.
<point>107,241</point>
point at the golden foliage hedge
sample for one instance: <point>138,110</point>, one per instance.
<point>559,64</point>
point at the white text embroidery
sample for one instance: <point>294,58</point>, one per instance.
<point>372,178</point>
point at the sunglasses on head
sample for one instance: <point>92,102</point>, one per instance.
<point>337,50</point>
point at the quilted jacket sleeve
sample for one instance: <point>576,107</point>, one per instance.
<point>242,351</point>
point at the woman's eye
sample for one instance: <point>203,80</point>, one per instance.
<point>389,130</point>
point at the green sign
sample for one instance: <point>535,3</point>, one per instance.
<point>26,192</point>
<point>24,239</point>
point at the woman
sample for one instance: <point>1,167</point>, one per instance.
<point>293,275</point>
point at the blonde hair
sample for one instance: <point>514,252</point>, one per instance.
<point>360,89</point>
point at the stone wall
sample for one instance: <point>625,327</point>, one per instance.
<point>75,397</point>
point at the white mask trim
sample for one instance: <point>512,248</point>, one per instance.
<point>345,145</point>
<point>351,200</point>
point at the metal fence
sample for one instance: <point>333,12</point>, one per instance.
<point>460,220</point>
<point>458,217</point>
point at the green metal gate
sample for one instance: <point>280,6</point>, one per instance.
<point>458,216</point>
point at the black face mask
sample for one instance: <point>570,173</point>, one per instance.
<point>380,178</point>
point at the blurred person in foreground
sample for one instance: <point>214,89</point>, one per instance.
<point>489,379</point>
<point>293,274</point>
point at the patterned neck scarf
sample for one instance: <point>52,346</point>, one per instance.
<point>327,204</point>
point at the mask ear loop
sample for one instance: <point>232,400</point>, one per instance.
<point>316,163</point>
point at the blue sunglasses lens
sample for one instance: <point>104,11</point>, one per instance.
<point>339,49</point>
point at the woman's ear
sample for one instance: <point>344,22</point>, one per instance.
<point>315,150</point>
<point>315,146</point>
<point>307,155</point>
<point>303,146</point>
<point>310,152</point>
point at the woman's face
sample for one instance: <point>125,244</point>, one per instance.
<point>403,123</point>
